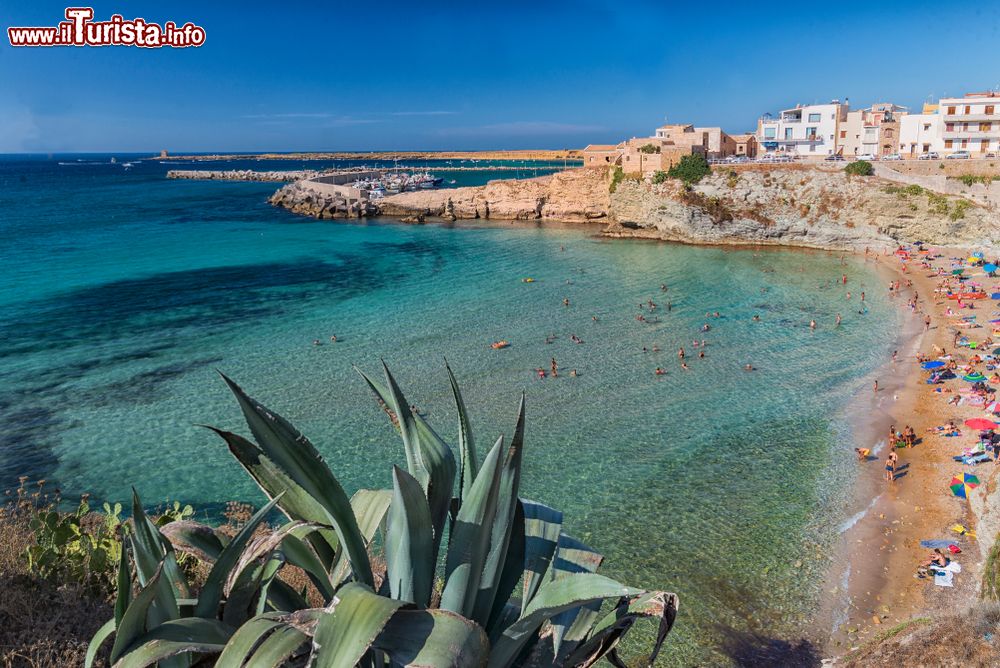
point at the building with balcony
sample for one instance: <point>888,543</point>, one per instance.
<point>872,131</point>
<point>806,131</point>
<point>970,123</point>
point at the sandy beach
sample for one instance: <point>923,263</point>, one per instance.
<point>872,585</point>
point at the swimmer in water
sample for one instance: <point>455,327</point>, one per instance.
<point>812,324</point>
<point>685,366</point>
<point>756,318</point>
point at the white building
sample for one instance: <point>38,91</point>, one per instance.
<point>807,130</point>
<point>971,123</point>
<point>920,134</point>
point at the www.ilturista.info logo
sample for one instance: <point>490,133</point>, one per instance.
<point>79,29</point>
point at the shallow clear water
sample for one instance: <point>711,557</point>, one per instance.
<point>124,292</point>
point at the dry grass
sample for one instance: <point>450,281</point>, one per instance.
<point>967,640</point>
<point>42,623</point>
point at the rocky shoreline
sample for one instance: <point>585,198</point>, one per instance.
<point>802,206</point>
<point>240,175</point>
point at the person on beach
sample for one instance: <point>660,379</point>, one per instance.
<point>936,558</point>
<point>875,388</point>
<point>555,368</point>
<point>890,471</point>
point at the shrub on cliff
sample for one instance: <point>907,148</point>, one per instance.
<point>691,169</point>
<point>649,149</point>
<point>860,168</point>
<point>659,176</point>
<point>616,177</point>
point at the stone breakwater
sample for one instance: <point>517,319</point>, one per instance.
<point>801,206</point>
<point>241,175</point>
<point>323,201</point>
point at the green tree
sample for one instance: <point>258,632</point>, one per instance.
<point>860,168</point>
<point>691,169</point>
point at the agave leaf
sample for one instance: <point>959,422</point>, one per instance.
<point>506,509</point>
<point>370,507</point>
<point>150,548</point>
<point>553,597</point>
<point>573,556</point>
<point>409,540</point>
<point>298,553</point>
<point>433,638</point>
<point>134,621</point>
<point>466,447</point>
<point>346,632</point>
<point>296,504</point>
<point>470,537</point>
<point>428,457</point>
<point>123,586</point>
<point>102,634</point>
<point>298,458</point>
<point>277,648</point>
<point>178,636</point>
<point>195,538</point>
<point>250,638</point>
<point>542,528</point>
<point>513,571</point>
<point>269,576</point>
<point>211,591</point>
<point>603,640</point>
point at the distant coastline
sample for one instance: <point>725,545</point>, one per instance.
<point>528,154</point>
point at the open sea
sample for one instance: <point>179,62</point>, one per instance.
<point>123,292</point>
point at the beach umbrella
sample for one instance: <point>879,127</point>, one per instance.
<point>995,295</point>
<point>980,423</point>
<point>963,484</point>
<point>989,268</point>
<point>933,364</point>
<point>978,255</point>
<point>957,272</point>
<point>974,377</point>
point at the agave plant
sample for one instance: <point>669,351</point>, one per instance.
<point>512,588</point>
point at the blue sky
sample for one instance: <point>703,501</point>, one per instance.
<point>472,75</point>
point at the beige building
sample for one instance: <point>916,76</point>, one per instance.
<point>872,131</point>
<point>645,155</point>
<point>718,143</point>
<point>602,155</point>
<point>745,145</point>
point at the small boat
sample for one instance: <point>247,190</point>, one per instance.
<point>528,280</point>
<point>499,345</point>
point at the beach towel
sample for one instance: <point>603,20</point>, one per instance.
<point>945,577</point>
<point>936,543</point>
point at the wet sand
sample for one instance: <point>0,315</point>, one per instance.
<point>872,585</point>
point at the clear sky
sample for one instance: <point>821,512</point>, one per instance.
<point>437,74</point>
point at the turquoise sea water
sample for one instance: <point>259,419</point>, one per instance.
<point>124,292</point>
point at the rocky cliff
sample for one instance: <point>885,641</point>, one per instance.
<point>800,206</point>
<point>571,196</point>
<point>795,205</point>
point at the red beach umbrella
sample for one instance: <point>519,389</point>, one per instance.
<point>980,423</point>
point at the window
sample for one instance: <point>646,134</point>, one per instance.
<point>948,143</point>
<point>810,133</point>
<point>888,132</point>
<point>769,133</point>
<point>985,127</point>
<point>788,133</point>
<point>843,134</point>
<point>951,111</point>
<point>965,143</point>
<point>949,127</point>
<point>927,126</point>
<point>814,118</point>
<point>968,109</point>
<point>989,109</point>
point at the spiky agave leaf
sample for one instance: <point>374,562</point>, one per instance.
<point>298,459</point>
<point>409,541</point>
<point>345,633</point>
<point>603,638</point>
<point>468,465</point>
<point>553,597</point>
<point>176,639</point>
<point>268,639</point>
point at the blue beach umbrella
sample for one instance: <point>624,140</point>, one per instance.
<point>978,254</point>
<point>933,364</point>
<point>989,268</point>
<point>995,295</point>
